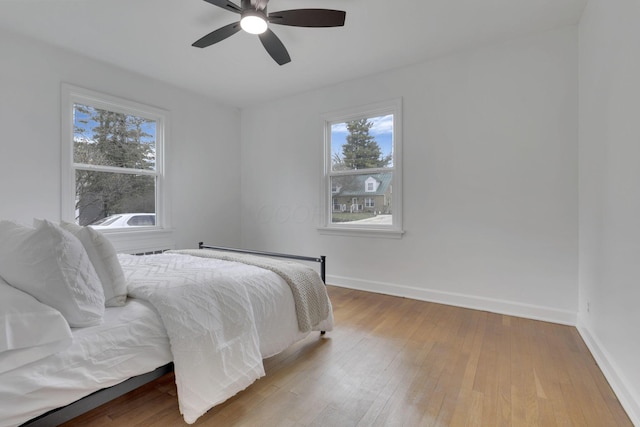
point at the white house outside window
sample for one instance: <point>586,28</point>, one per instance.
<point>112,161</point>
<point>362,161</point>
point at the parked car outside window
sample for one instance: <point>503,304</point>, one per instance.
<point>125,220</point>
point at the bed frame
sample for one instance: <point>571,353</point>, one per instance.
<point>100,397</point>
<point>321,259</point>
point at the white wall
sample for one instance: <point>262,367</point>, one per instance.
<point>490,179</point>
<point>203,148</point>
<point>610,192</point>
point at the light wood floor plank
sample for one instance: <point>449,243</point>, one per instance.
<point>397,362</point>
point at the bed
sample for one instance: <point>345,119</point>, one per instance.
<point>139,340</point>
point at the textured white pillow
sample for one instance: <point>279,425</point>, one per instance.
<point>29,330</point>
<point>104,258</point>
<point>51,265</point>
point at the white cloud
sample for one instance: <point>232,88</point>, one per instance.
<point>339,128</point>
<point>381,125</point>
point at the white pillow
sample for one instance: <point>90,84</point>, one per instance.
<point>51,265</point>
<point>29,330</point>
<point>104,258</point>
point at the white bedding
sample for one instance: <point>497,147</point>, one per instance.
<point>133,340</point>
<point>206,307</point>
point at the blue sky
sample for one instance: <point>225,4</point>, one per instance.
<point>382,131</point>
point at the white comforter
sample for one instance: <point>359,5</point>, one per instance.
<point>209,317</point>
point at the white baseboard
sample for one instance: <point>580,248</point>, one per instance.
<point>629,400</point>
<point>493,305</point>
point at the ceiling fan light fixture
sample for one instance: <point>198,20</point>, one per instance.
<point>253,22</point>
<point>254,19</point>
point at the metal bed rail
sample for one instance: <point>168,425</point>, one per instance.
<point>322,259</point>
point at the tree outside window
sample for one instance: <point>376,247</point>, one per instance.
<point>111,139</point>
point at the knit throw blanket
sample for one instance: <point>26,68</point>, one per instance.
<point>309,293</point>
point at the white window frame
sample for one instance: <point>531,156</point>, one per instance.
<point>71,95</point>
<point>378,109</point>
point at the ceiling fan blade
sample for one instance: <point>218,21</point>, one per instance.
<point>225,4</point>
<point>274,47</point>
<point>309,17</point>
<point>218,35</point>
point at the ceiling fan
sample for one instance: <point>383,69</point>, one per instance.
<point>255,19</point>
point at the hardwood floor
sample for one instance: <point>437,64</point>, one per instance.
<point>398,362</point>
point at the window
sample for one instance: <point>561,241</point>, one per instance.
<point>362,177</point>
<point>371,185</point>
<point>112,163</point>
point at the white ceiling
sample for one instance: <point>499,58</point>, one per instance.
<point>153,37</point>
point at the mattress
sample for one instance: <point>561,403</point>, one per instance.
<point>129,342</point>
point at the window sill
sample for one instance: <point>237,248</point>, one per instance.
<point>361,232</point>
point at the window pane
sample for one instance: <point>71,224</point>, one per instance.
<point>142,220</point>
<point>362,144</point>
<point>362,198</point>
<point>104,194</point>
<point>107,138</point>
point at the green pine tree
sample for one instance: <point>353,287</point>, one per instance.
<point>361,151</point>
<point>117,140</point>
